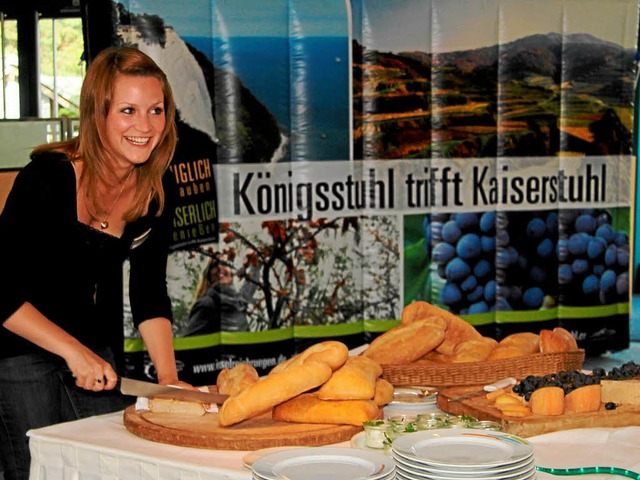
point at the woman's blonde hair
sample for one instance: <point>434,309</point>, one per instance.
<point>91,144</point>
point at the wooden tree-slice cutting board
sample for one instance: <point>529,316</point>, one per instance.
<point>205,432</point>
<point>479,407</point>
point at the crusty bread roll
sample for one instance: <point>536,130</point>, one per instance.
<point>271,390</point>
<point>366,363</point>
<point>505,351</point>
<point>570,341</point>
<point>383,393</point>
<point>355,380</point>
<point>527,342</point>
<point>419,310</point>
<point>458,331</point>
<point>231,381</point>
<point>557,340</point>
<point>176,406</point>
<point>474,350</point>
<point>405,343</point>
<point>308,408</point>
<point>331,352</point>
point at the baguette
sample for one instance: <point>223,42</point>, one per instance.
<point>355,380</point>
<point>271,390</point>
<point>405,343</point>
<point>308,408</point>
<point>331,352</point>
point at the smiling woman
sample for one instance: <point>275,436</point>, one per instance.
<point>73,215</point>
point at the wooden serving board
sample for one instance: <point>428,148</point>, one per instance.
<point>479,407</point>
<point>205,432</point>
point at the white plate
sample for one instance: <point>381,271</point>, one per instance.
<point>414,396</point>
<point>249,459</point>
<point>462,449</point>
<point>470,474</point>
<point>320,463</point>
<point>519,474</point>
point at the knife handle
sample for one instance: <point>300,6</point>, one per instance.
<point>505,382</point>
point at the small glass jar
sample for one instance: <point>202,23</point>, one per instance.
<point>430,421</point>
<point>485,425</point>
<point>375,434</point>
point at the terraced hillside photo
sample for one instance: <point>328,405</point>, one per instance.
<point>542,95</point>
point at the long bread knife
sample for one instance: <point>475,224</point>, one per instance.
<point>505,382</point>
<point>137,388</point>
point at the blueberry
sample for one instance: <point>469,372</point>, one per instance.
<point>536,228</point>
<point>606,233</point>
<point>565,274</point>
<point>466,221</point>
<point>478,307</point>
<point>469,283</point>
<point>457,270</point>
<point>608,281</point>
<point>596,247</point>
<point>546,248</point>
<point>490,291</point>
<point>443,252</point>
<point>482,268</point>
<point>580,266</point>
<point>611,255</point>
<point>533,297</point>
<point>622,284</point>
<point>623,257</point>
<point>610,406</point>
<point>451,232</point>
<point>488,222</point>
<point>591,285</point>
<point>586,223</point>
<point>450,294</point>
<point>469,247</point>
<point>488,244</point>
<point>577,244</point>
<point>476,294</point>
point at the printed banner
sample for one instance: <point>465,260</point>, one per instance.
<point>341,159</point>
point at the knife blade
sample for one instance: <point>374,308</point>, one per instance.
<point>492,387</point>
<point>138,388</point>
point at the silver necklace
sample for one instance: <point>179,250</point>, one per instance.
<point>104,224</point>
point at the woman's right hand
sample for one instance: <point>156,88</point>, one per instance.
<point>90,371</point>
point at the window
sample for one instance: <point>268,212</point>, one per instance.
<point>10,97</point>
<point>62,66</point>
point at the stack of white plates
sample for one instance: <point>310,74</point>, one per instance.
<point>322,463</point>
<point>463,454</point>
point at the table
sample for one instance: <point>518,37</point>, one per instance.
<point>102,448</point>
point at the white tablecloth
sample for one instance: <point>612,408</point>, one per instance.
<point>102,448</point>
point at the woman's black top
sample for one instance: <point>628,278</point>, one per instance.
<point>70,272</point>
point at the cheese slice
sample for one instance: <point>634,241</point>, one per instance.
<point>621,391</point>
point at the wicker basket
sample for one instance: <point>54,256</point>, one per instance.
<point>480,373</point>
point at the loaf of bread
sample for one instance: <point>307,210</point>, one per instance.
<point>557,340</point>
<point>168,405</point>
<point>331,352</point>
<point>474,350</point>
<point>308,408</point>
<point>269,391</point>
<point>355,380</point>
<point>231,381</point>
<point>527,342</point>
<point>405,343</point>
<point>383,392</point>
<point>420,310</point>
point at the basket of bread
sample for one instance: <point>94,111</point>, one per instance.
<point>432,346</point>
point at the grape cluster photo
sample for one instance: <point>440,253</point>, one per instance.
<point>503,261</point>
